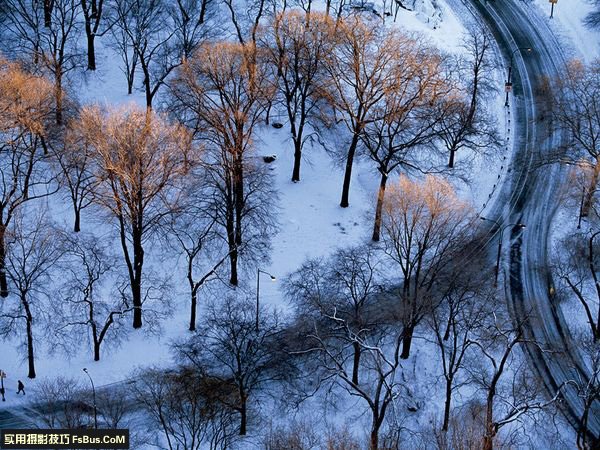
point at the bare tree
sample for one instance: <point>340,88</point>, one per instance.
<point>459,320</point>
<point>121,41</point>
<point>74,157</point>
<point>246,17</point>
<point>33,252</point>
<point>297,45</point>
<point>90,310</point>
<point>185,408</point>
<point>228,347</point>
<point>194,22</point>
<point>404,122</point>
<point>577,267</point>
<point>511,391</point>
<point>464,120</point>
<point>194,231</point>
<point>25,118</point>
<point>92,14</point>
<point>161,35</point>
<point>380,383</point>
<point>143,25</point>
<point>361,70</point>
<point>221,94</point>
<point>53,47</point>
<point>423,224</point>
<point>141,161</point>
<point>343,287</point>
<point>577,111</point>
<point>60,403</point>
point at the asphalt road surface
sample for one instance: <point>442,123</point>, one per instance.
<point>531,197</point>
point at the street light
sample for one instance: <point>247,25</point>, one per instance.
<point>94,398</point>
<point>554,2</point>
<point>258,272</point>
<point>508,86</point>
<point>502,228</point>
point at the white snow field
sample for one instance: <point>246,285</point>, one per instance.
<point>311,224</point>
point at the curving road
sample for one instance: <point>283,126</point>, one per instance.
<point>531,197</point>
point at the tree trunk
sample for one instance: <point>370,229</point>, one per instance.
<point>193,312</point>
<point>344,203</point>
<point>202,11</point>
<point>378,209</point>
<point>59,96</point>
<point>130,79</point>
<point>48,4</point>
<point>30,357</point>
<point>146,83</point>
<point>136,285</point>
<point>447,405</point>
<point>3,280</point>
<point>29,322</point>
<point>297,159</point>
<point>238,186</point>
<point>233,262</point>
<point>243,414</point>
<point>488,438</point>
<point>452,155</point>
<point>589,196</point>
<point>77,224</point>
<point>233,253</point>
<point>356,364</point>
<point>582,432</point>
<point>374,441</point>
<point>96,351</point>
<point>91,50</point>
<point>407,341</point>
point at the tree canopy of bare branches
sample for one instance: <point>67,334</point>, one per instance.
<point>34,248</point>
<point>464,120</point>
<point>423,223</point>
<point>87,309</point>
<point>361,69</point>
<point>403,123</point>
<point>228,347</point>
<point>185,408</point>
<point>298,44</point>
<point>577,112</point>
<point>221,94</point>
<point>50,47</point>
<point>25,120</point>
<point>141,163</point>
<point>157,36</point>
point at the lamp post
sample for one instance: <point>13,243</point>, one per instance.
<point>258,272</point>
<point>508,85</point>
<point>553,2</point>
<point>93,397</point>
<point>502,228</point>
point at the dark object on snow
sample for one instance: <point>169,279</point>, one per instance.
<point>269,159</point>
<point>277,125</point>
<point>2,394</point>
<point>21,387</point>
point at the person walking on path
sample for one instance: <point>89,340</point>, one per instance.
<point>2,391</point>
<point>21,387</point>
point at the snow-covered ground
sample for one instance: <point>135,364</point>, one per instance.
<point>584,44</point>
<point>311,223</point>
<point>568,23</point>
